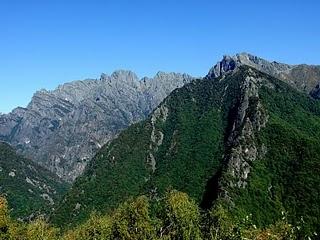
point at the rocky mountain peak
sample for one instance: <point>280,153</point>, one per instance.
<point>205,130</point>
<point>226,65</point>
<point>303,77</point>
<point>164,75</point>
<point>18,111</point>
<point>124,75</point>
<point>230,63</point>
<point>167,76</point>
<point>62,129</point>
<point>104,77</point>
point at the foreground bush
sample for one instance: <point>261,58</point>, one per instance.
<point>96,228</point>
<point>182,220</point>
<point>132,221</point>
<point>175,217</point>
<point>41,230</point>
<point>4,219</point>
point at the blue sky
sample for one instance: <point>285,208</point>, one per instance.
<point>46,43</point>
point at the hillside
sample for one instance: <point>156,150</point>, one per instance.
<point>245,139</point>
<point>29,188</point>
<point>62,129</point>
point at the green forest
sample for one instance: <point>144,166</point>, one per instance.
<point>190,192</point>
<point>175,216</point>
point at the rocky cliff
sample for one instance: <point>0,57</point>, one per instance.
<point>244,140</point>
<point>62,129</point>
<point>303,77</point>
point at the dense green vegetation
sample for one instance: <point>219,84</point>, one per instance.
<point>287,179</point>
<point>177,218</point>
<point>27,186</point>
<point>190,153</point>
<point>108,183</point>
<point>284,183</point>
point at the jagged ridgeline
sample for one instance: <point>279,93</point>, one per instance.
<point>29,188</point>
<point>244,139</point>
<point>63,129</point>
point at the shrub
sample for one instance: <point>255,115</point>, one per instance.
<point>182,218</point>
<point>41,230</point>
<point>132,220</point>
<point>222,226</point>
<point>96,228</point>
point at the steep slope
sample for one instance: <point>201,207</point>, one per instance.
<point>62,129</point>
<point>162,149</point>
<point>29,188</point>
<point>303,77</point>
<point>271,161</point>
<point>244,139</point>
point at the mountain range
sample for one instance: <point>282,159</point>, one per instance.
<point>245,136</point>
<point>245,139</point>
<point>63,129</point>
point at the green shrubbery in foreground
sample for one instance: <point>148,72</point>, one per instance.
<point>175,216</point>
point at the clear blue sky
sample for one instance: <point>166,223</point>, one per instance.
<point>45,43</point>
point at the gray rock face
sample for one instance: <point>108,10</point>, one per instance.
<point>251,118</point>
<point>303,77</point>
<point>62,129</point>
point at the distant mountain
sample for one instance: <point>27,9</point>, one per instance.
<point>63,129</point>
<point>29,188</point>
<point>245,139</point>
<point>303,77</point>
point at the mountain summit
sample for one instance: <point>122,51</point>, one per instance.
<point>245,140</point>
<point>246,137</point>
<point>303,77</point>
<point>63,129</point>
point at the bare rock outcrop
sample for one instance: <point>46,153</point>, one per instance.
<point>303,77</point>
<point>63,129</point>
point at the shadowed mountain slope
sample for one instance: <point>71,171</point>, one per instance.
<point>244,139</point>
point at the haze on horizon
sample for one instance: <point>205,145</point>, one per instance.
<point>45,44</point>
